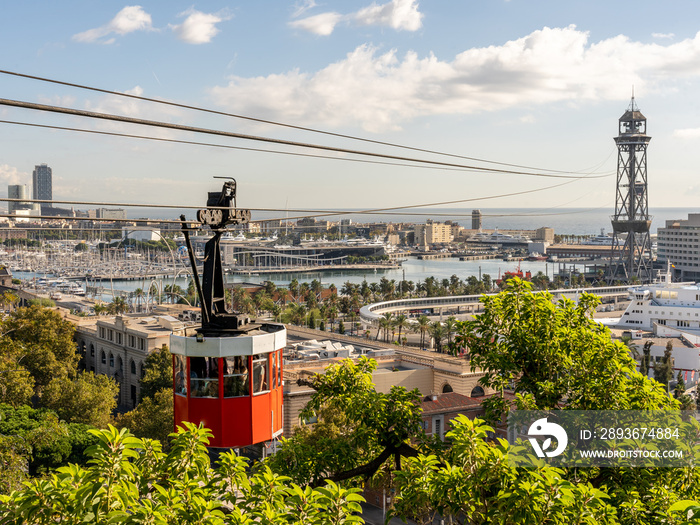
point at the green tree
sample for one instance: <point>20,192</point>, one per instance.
<point>477,485</point>
<point>157,372</point>
<point>663,371</point>
<point>554,354</point>
<point>118,306</point>
<point>16,382</point>
<point>361,428</point>
<point>422,326</point>
<point>89,398</point>
<point>401,323</point>
<point>46,342</point>
<point>131,481</point>
<point>35,441</point>
<point>438,332</point>
<point>153,418</point>
<point>645,362</point>
<point>680,386</point>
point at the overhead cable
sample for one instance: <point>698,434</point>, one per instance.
<point>240,148</point>
<point>179,127</point>
<point>274,123</point>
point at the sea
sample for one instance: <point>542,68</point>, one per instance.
<point>565,221</point>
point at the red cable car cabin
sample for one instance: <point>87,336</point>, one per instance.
<point>231,384</point>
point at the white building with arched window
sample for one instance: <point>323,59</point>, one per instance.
<point>118,347</point>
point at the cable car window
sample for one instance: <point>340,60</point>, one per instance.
<point>204,377</point>
<point>236,378</point>
<point>273,375</point>
<point>260,379</point>
<point>180,374</point>
<point>279,369</point>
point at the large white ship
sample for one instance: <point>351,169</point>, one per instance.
<point>663,304</point>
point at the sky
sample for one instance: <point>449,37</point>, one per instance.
<point>537,83</point>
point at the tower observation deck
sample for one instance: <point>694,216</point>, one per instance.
<point>630,258</point>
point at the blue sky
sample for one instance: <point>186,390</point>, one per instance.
<point>537,83</point>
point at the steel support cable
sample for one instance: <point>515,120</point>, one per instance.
<point>274,123</point>
<point>315,213</point>
<point>226,146</point>
<point>178,127</point>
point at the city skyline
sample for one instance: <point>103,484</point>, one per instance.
<point>539,84</point>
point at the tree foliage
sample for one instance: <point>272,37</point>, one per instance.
<point>131,481</point>
<point>45,342</point>
<point>33,441</point>
<point>89,398</point>
<point>477,485</point>
<point>157,372</point>
<point>555,354</point>
<point>360,428</point>
<point>152,418</point>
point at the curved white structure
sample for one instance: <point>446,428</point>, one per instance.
<point>372,312</point>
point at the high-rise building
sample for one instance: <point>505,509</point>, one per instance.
<point>433,233</point>
<point>42,184</point>
<point>679,246</point>
<point>476,219</point>
<point>17,191</point>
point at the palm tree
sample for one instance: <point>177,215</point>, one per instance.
<point>270,288</point>
<point>401,323</point>
<point>276,310</point>
<point>422,326</point>
<point>332,314</point>
<point>139,297</point>
<point>386,321</point>
<point>437,332</point>
<point>317,288</point>
<point>259,299</point>
<point>294,289</point>
<point>118,306</point>
<point>450,327</point>
<point>100,308</point>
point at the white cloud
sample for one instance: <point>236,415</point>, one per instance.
<point>380,91</point>
<point>687,133</point>
<point>132,108</point>
<point>402,15</point>
<point>198,27</point>
<point>397,14</point>
<point>666,36</point>
<point>11,175</point>
<point>302,7</point>
<point>322,24</point>
<point>131,18</point>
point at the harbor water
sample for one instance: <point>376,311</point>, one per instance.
<point>412,269</point>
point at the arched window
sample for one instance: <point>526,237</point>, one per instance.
<point>111,360</point>
<point>447,388</point>
<point>477,391</point>
<point>104,358</point>
<point>141,371</point>
<point>92,350</point>
<point>132,365</point>
<point>120,364</point>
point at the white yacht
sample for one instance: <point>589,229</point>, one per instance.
<point>663,304</point>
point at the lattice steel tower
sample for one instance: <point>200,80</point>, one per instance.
<point>631,249</point>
